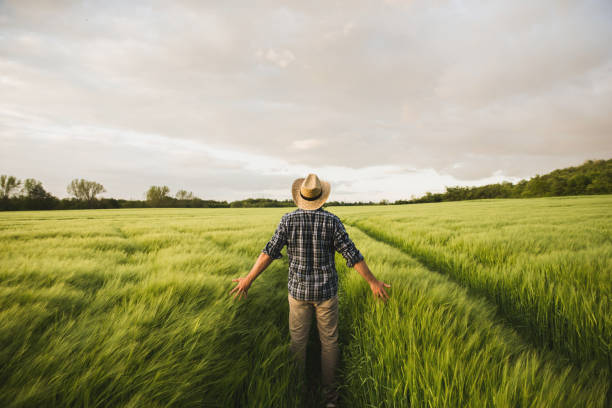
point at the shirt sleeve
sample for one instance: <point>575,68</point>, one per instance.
<point>346,247</point>
<point>277,242</point>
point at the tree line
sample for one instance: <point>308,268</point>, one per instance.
<point>30,194</point>
<point>592,177</point>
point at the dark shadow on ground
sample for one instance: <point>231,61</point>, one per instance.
<point>313,389</point>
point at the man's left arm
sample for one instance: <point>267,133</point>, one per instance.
<point>354,259</point>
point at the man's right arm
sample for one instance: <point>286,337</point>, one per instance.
<point>271,251</point>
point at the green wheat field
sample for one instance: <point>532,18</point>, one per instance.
<point>494,303</point>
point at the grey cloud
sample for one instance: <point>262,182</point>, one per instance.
<point>469,89</point>
<point>128,170</point>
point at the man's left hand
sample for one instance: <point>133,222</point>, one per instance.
<point>378,289</point>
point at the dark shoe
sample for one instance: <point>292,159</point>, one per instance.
<point>331,397</point>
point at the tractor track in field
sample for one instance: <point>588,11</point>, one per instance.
<point>503,318</point>
<point>520,327</point>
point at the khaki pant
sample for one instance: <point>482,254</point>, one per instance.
<point>300,318</point>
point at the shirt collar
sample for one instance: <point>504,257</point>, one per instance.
<point>311,211</point>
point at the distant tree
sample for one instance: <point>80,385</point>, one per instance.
<point>184,195</point>
<point>85,190</point>
<point>8,184</point>
<point>508,189</point>
<point>579,183</point>
<point>157,195</point>
<point>536,187</point>
<point>35,197</point>
<point>599,186</point>
<point>34,190</point>
<point>558,185</point>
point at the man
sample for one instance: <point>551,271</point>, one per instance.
<point>312,236</point>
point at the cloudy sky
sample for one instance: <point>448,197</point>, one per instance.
<point>235,99</point>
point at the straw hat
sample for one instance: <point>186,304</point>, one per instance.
<point>310,193</point>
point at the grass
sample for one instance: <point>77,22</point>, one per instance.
<point>546,263</point>
<point>494,303</point>
<point>107,309</point>
<point>436,345</point>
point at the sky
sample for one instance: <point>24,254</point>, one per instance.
<point>236,99</point>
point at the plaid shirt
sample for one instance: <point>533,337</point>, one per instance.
<point>312,237</point>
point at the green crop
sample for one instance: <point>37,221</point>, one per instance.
<point>500,303</point>
<point>545,263</point>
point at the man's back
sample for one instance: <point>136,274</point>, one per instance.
<point>312,237</point>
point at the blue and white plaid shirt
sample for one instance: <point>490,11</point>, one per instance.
<point>312,237</point>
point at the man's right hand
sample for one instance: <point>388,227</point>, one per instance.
<point>241,288</point>
<point>378,289</point>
